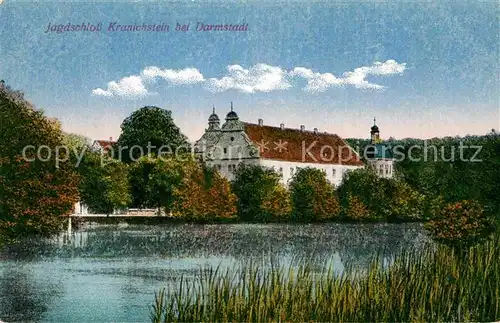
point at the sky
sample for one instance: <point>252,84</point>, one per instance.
<point>423,69</point>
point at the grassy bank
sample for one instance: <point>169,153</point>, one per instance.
<point>436,284</point>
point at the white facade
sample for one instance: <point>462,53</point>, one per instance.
<point>334,173</point>
<point>383,167</point>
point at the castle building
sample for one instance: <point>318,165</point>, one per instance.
<point>284,149</point>
<point>379,156</point>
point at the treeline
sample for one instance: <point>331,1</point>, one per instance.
<point>184,188</point>
<point>36,188</point>
<point>452,168</point>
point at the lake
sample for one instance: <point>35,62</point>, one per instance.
<point>111,272</point>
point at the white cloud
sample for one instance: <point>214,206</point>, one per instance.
<point>357,77</point>
<point>134,86</point>
<point>316,82</point>
<point>320,82</point>
<point>129,87</point>
<point>188,75</point>
<point>259,78</point>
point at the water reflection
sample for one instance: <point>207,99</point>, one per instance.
<point>25,297</point>
<point>110,272</point>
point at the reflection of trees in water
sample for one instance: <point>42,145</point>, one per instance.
<point>356,244</point>
<point>23,298</point>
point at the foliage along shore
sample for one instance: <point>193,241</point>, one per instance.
<point>36,188</point>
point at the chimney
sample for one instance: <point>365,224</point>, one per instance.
<point>261,122</point>
<point>315,130</point>
<point>302,127</point>
<point>282,126</point>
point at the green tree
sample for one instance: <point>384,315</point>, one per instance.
<point>153,180</point>
<point>151,126</point>
<point>105,185</point>
<point>261,196</point>
<point>75,142</point>
<point>364,187</point>
<point>384,198</point>
<point>35,190</point>
<point>313,197</point>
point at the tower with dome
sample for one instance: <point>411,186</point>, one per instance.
<point>379,156</point>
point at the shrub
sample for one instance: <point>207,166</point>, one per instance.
<point>313,197</point>
<point>460,224</point>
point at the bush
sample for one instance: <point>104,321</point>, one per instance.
<point>460,224</point>
<point>313,197</point>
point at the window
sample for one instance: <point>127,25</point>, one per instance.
<point>281,170</point>
<point>291,171</point>
<point>334,172</point>
<point>232,138</point>
<point>225,150</point>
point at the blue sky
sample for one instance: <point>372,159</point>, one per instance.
<point>423,69</point>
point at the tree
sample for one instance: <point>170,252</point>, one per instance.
<point>35,190</point>
<point>261,196</point>
<point>355,209</point>
<point>313,197</point>
<point>388,199</point>
<point>105,183</point>
<point>149,126</point>
<point>203,194</point>
<point>75,142</point>
<point>153,180</point>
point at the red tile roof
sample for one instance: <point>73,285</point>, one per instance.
<point>296,145</point>
<point>106,144</point>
